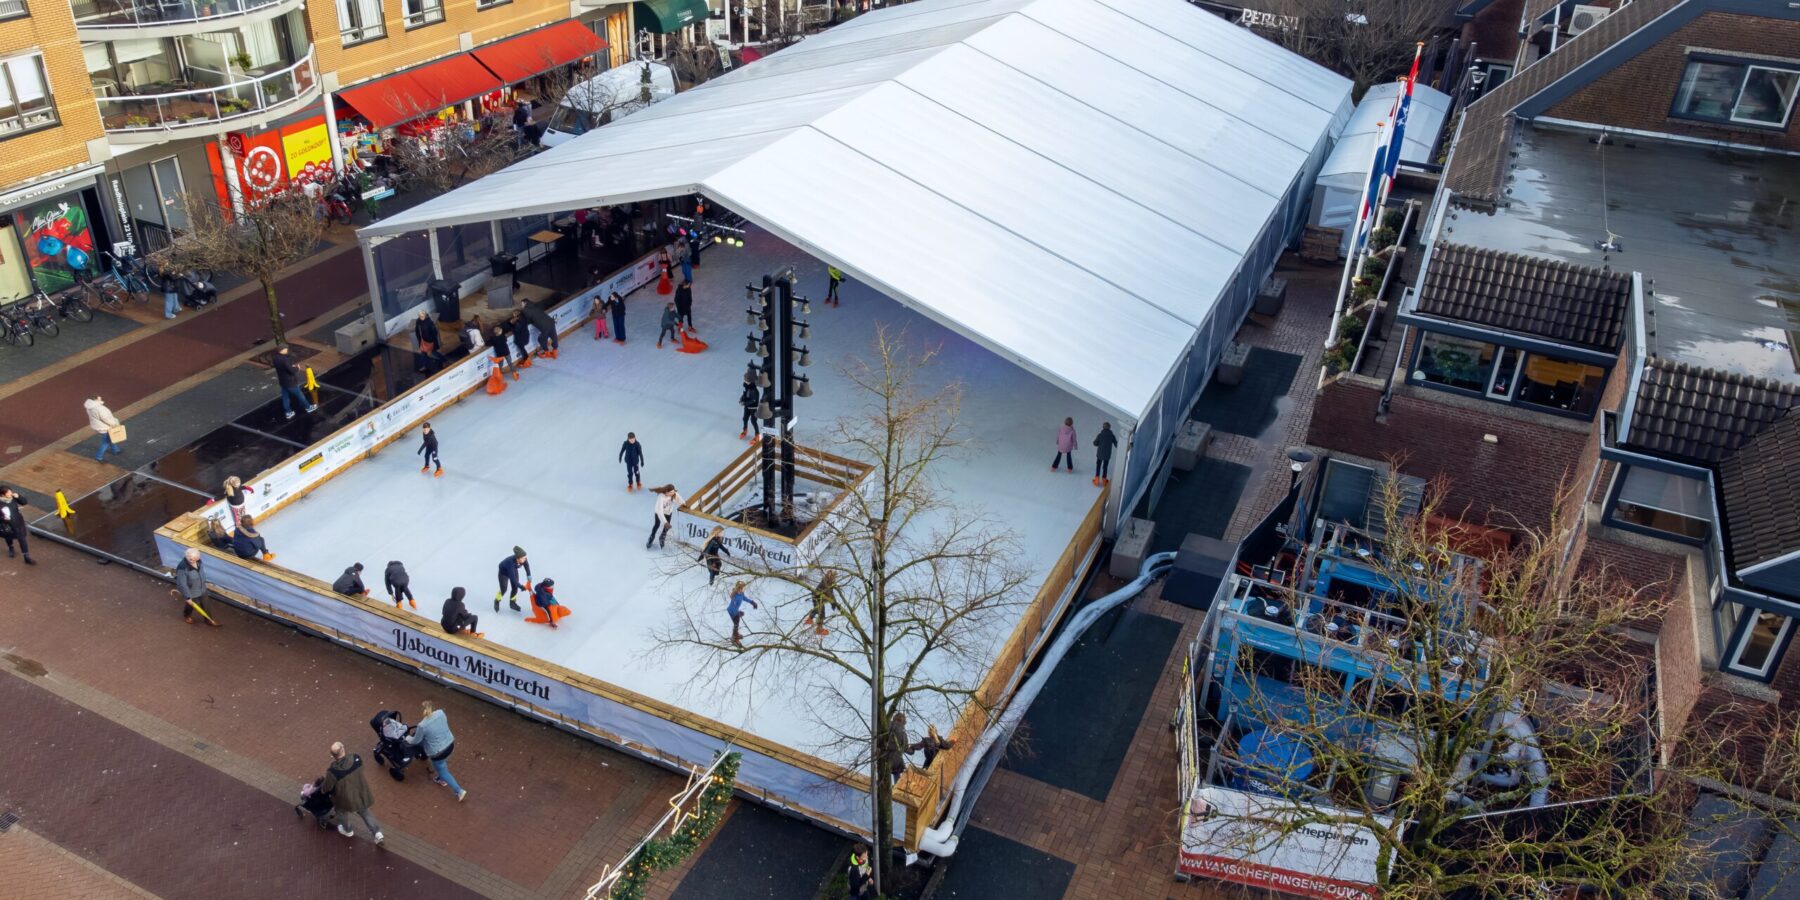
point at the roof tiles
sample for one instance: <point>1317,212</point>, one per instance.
<point>1761,487</point>
<point>1528,295</point>
<point>1703,415</point>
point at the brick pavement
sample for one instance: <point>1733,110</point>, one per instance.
<point>230,721</point>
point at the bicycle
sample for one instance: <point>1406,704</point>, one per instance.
<point>128,273</point>
<point>69,305</point>
<point>38,310</point>
<point>15,326</point>
<point>105,290</point>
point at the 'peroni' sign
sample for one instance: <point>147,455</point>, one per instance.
<point>415,645</point>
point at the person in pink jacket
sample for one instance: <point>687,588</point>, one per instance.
<point>1065,446</point>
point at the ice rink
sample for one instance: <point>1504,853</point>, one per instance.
<point>537,467</point>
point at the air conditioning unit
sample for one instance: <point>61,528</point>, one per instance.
<point>1581,18</point>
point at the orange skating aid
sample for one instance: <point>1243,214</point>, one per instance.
<point>496,379</point>
<point>689,343</point>
<point>537,613</point>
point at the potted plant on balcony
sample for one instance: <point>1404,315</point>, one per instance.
<point>242,60</point>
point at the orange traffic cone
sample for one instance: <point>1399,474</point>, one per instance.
<point>496,378</point>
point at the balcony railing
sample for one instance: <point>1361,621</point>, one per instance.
<point>138,13</point>
<point>178,109</point>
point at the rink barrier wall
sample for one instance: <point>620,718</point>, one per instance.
<point>705,508</point>
<point>924,791</point>
<point>769,773</point>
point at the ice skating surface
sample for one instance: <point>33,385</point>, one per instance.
<point>537,467</point>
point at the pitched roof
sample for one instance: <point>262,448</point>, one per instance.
<point>1478,165</point>
<point>1761,487</point>
<point>1528,295</point>
<point>1703,415</point>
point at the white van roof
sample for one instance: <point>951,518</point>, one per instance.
<point>621,82</point>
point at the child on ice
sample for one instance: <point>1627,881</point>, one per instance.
<point>543,601</point>
<point>429,447</point>
<point>1065,446</point>
<point>736,610</point>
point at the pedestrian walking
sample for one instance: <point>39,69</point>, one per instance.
<point>684,305</point>
<point>287,378</point>
<point>398,584</point>
<point>859,876</point>
<point>12,524</point>
<point>735,609</point>
<point>831,290</point>
<point>235,495</point>
<point>432,735</point>
<point>631,453</point>
<point>425,332</point>
<point>350,583</point>
<point>510,567</point>
<point>456,617</point>
<point>247,542</point>
<point>1065,446</point>
<point>823,596</point>
<point>750,398</point>
<point>617,301</point>
<point>164,277</point>
<point>663,517</point>
<point>105,424</point>
<point>670,318</point>
<point>709,554</point>
<point>190,588</point>
<point>349,792</point>
<point>1104,442</point>
<point>428,447</point>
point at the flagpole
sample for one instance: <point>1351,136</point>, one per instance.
<point>1398,141</point>
<point>1337,310</point>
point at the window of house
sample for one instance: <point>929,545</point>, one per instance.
<point>1454,362</point>
<point>1740,92</point>
<point>1757,647</point>
<point>423,12</point>
<point>359,21</point>
<point>25,103</point>
<point>12,9</point>
<point>1558,384</point>
<point>1663,501</point>
<point>487,4</point>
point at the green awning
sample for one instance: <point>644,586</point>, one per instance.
<point>665,16</point>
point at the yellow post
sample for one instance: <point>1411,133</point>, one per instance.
<point>63,510</point>
<point>312,382</point>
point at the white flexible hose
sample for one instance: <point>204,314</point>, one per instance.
<point>941,841</point>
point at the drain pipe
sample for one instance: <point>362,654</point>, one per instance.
<point>941,841</point>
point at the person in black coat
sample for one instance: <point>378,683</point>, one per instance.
<point>710,554</point>
<point>247,542</point>
<point>457,619</point>
<point>287,379</point>
<point>684,305</point>
<point>499,350</point>
<point>631,453</point>
<point>521,335</point>
<point>510,567</point>
<point>546,328</point>
<point>428,445</point>
<point>12,524</point>
<point>749,399</point>
<point>616,303</point>
<point>1104,442</point>
<point>398,584</point>
<point>430,342</point>
<point>350,583</point>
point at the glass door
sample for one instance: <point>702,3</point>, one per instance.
<point>1505,375</point>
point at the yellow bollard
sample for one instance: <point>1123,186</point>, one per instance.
<point>312,383</point>
<point>63,510</point>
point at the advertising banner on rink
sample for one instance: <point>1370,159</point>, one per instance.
<point>1232,836</point>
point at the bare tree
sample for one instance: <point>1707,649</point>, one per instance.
<point>1499,741</point>
<point>897,615</point>
<point>694,62</point>
<point>446,158</point>
<point>1366,40</point>
<point>275,229</point>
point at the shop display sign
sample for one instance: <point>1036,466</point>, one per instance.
<point>59,241</point>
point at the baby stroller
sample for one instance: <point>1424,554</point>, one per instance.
<point>391,748</point>
<point>316,801</point>
<point>196,290</point>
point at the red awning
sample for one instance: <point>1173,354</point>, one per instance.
<point>418,92</point>
<point>518,58</point>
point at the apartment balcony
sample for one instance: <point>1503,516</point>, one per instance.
<point>101,20</point>
<point>162,111</point>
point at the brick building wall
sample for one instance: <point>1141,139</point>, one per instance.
<point>50,29</point>
<point>1787,678</point>
<point>1495,30</point>
<point>403,48</point>
<point>1640,92</point>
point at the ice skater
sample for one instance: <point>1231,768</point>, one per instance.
<point>1065,446</point>
<point>350,584</point>
<point>831,290</point>
<point>457,619</point>
<point>1104,442</point>
<point>510,567</point>
<point>631,453</point>
<point>501,353</point>
<point>684,305</point>
<point>521,335</point>
<point>235,489</point>
<point>749,399</point>
<point>428,446</point>
<point>709,554</point>
<point>617,301</point>
<point>600,309</point>
<point>398,584</point>
<point>664,515</point>
<point>670,318</point>
<point>247,542</point>
<point>546,329</point>
<point>735,609</point>
<point>823,596</point>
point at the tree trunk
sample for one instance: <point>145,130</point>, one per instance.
<point>275,327</point>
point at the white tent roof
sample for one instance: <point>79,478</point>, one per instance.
<point>1348,165</point>
<point>1069,182</point>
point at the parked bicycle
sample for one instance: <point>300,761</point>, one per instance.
<point>15,326</point>
<point>69,305</point>
<point>128,273</point>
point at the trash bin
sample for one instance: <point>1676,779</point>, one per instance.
<point>502,264</point>
<point>444,300</point>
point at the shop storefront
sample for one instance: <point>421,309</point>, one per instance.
<point>51,234</point>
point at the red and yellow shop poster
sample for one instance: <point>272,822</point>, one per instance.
<point>58,242</point>
<point>307,147</point>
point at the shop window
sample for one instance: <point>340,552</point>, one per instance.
<point>25,103</point>
<point>1558,384</point>
<point>359,21</point>
<point>1661,501</point>
<point>1759,644</point>
<point>420,13</point>
<point>1724,90</point>
<point>1454,362</point>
